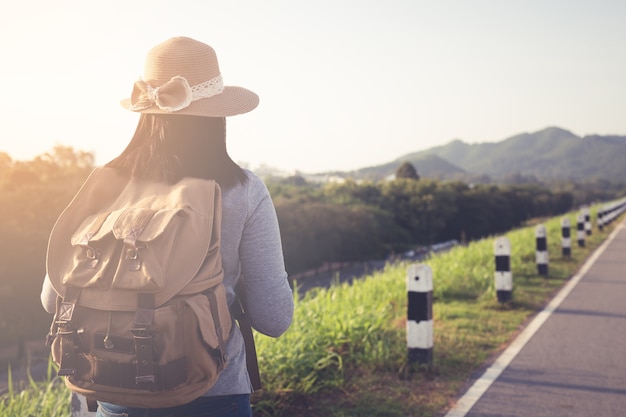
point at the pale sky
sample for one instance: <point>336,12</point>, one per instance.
<point>343,84</point>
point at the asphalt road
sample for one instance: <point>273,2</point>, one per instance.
<point>571,360</point>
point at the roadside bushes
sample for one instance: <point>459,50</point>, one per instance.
<point>351,221</point>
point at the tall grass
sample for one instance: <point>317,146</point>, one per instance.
<point>360,327</point>
<point>36,399</point>
<point>330,324</point>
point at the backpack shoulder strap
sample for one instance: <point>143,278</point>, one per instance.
<point>248,337</point>
<point>245,327</point>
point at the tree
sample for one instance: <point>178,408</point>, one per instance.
<point>32,195</point>
<point>408,171</point>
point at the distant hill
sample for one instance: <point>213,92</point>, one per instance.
<point>428,165</point>
<point>549,154</point>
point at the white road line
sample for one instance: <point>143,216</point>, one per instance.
<point>465,403</point>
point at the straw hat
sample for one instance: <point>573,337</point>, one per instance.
<point>182,76</point>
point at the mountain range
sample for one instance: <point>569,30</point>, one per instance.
<point>547,155</point>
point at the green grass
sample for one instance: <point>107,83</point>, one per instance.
<point>345,353</point>
<point>36,399</point>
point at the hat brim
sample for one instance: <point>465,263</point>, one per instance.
<point>230,102</point>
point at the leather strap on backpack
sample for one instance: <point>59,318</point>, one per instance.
<point>252,364</point>
<point>144,339</point>
<point>67,332</point>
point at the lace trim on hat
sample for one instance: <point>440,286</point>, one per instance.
<point>207,89</point>
<point>174,95</point>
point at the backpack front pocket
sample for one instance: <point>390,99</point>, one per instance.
<point>94,257</point>
<point>148,238</point>
<point>127,249</point>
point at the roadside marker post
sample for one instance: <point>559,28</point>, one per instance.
<point>566,240</point>
<point>542,250</point>
<point>600,219</point>
<point>419,324</point>
<point>580,230</point>
<point>586,212</point>
<point>503,276</point>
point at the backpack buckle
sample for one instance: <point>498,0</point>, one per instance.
<point>69,357</point>
<point>131,250</point>
<point>65,312</point>
<point>145,353</point>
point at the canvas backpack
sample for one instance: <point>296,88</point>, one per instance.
<point>142,317</point>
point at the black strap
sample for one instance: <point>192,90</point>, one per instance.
<point>69,354</point>
<point>66,331</point>
<point>251,359</point>
<point>144,340</point>
<point>252,363</point>
<point>218,327</point>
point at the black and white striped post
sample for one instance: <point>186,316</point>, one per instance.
<point>600,219</point>
<point>419,324</point>
<point>503,276</point>
<point>580,230</point>
<point>566,240</point>
<point>542,249</point>
<point>612,211</point>
<point>587,213</point>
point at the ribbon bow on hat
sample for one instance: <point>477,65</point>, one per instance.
<point>172,96</point>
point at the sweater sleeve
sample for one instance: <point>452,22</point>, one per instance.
<point>48,296</point>
<point>267,296</point>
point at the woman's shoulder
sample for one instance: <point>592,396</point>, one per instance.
<point>254,183</point>
<point>253,189</point>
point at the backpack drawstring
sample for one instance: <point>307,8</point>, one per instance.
<point>108,343</point>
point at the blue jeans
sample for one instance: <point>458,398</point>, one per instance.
<point>224,406</point>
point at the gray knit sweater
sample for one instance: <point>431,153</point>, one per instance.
<point>251,248</point>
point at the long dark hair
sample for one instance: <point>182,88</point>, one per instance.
<point>167,148</point>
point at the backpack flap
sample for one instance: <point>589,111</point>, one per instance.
<point>151,238</point>
<point>91,256</point>
<point>147,237</point>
